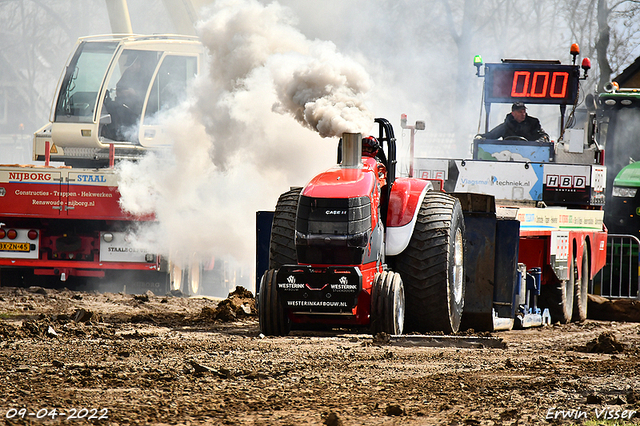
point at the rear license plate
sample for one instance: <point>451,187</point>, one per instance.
<point>14,247</point>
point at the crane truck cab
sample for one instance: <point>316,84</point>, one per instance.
<point>67,222</point>
<point>111,94</point>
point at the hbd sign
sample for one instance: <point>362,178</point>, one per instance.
<point>566,182</point>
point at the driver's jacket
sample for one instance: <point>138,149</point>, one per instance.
<point>529,129</point>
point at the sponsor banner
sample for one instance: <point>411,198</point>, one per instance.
<point>510,181</point>
<point>567,184</point>
<point>330,289</point>
<point>16,175</point>
<point>30,192</point>
<point>317,304</point>
<point>552,218</point>
<point>431,169</point>
<point>503,180</point>
<point>93,192</point>
<point>60,192</point>
<point>552,183</point>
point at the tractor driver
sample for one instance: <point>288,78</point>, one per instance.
<point>371,148</point>
<point>518,124</point>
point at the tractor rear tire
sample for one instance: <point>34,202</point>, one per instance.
<point>272,316</point>
<point>387,304</point>
<point>432,266</point>
<point>581,289</point>
<point>558,297</point>
<point>282,249</point>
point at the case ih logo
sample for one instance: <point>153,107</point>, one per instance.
<point>566,182</point>
<point>335,212</point>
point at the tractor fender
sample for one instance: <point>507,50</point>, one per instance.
<point>404,203</point>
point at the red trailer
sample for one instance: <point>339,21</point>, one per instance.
<point>67,222</point>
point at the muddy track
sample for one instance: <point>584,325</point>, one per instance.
<point>173,360</point>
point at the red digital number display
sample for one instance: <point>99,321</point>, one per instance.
<point>552,84</point>
<point>539,84</point>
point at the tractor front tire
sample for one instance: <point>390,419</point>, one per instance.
<point>387,304</point>
<point>282,249</point>
<point>432,266</point>
<point>272,316</point>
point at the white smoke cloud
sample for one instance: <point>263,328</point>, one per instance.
<point>238,141</point>
<point>324,91</point>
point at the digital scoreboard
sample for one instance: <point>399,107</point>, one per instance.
<point>532,83</point>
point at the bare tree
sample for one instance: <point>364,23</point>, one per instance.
<point>610,32</point>
<point>602,44</point>
<point>37,37</point>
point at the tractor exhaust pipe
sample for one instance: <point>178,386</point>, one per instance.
<point>351,150</point>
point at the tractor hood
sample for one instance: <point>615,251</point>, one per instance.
<point>337,212</point>
<point>334,218</point>
<point>341,182</point>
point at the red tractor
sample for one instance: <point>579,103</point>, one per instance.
<point>360,247</point>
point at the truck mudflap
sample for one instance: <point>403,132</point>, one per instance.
<point>319,290</point>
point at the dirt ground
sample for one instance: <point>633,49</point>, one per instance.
<point>110,358</point>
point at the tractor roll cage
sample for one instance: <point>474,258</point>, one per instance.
<point>385,134</point>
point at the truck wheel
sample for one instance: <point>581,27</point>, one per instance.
<point>175,277</point>
<point>558,297</point>
<point>194,279</point>
<point>432,266</point>
<point>387,304</point>
<point>282,249</point>
<point>271,314</point>
<point>581,289</point>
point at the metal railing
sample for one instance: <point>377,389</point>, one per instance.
<point>619,278</point>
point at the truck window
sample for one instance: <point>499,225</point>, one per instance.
<point>170,85</point>
<point>81,83</point>
<point>127,90</point>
